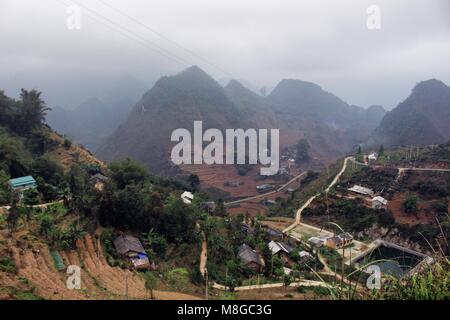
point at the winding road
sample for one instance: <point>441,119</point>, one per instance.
<point>308,202</point>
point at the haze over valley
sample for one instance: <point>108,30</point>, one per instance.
<point>225,150</point>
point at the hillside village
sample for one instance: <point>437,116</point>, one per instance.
<point>302,234</point>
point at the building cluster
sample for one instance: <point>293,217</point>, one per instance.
<point>377,202</point>
<point>277,247</point>
<point>334,242</point>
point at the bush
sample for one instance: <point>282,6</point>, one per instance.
<point>410,205</point>
<point>301,289</point>
<point>67,143</point>
<point>197,277</point>
<point>430,284</point>
<point>31,197</point>
<point>178,278</point>
<point>321,291</point>
<point>8,265</point>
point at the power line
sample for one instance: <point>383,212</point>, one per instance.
<point>162,50</point>
<point>130,34</point>
<point>163,37</point>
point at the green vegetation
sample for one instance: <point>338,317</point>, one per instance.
<point>433,283</point>
<point>150,283</point>
<point>67,143</point>
<point>379,180</point>
<point>178,278</point>
<point>352,215</point>
<point>302,151</point>
<point>411,203</point>
<point>194,182</point>
<point>7,265</point>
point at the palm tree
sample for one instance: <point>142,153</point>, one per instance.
<point>34,109</point>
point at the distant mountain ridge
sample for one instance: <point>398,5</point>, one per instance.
<point>95,119</point>
<point>173,102</point>
<point>422,119</point>
<point>299,109</point>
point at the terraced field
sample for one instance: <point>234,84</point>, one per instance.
<point>98,279</point>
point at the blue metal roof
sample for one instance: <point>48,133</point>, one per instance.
<point>22,181</point>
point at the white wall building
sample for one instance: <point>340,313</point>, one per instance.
<point>187,197</point>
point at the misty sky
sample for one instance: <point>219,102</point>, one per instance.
<point>326,42</point>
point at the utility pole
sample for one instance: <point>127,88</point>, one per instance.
<point>126,285</point>
<point>206,283</point>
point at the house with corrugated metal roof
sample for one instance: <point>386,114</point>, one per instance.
<point>379,203</point>
<point>277,247</point>
<point>361,190</point>
<point>282,250</point>
<point>22,183</point>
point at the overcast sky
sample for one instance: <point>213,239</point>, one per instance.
<point>326,42</point>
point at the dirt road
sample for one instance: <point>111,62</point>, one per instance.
<point>308,202</point>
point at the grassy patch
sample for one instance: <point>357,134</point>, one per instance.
<point>8,265</point>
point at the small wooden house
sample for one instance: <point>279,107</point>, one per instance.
<point>251,258</point>
<point>131,248</point>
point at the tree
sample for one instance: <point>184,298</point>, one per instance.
<point>287,280</point>
<point>220,211</point>
<point>150,283</point>
<point>410,204</point>
<point>7,112</point>
<point>31,197</point>
<point>5,193</point>
<point>13,215</point>
<point>77,180</point>
<point>178,221</point>
<point>381,151</point>
<point>359,150</point>
<point>33,110</point>
<point>15,158</point>
<point>47,168</point>
<point>65,194</point>
<point>194,181</point>
<point>302,148</point>
<point>67,143</point>
<point>127,172</point>
<point>46,227</point>
<point>155,243</point>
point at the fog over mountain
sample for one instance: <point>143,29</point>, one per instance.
<point>297,108</point>
<point>422,119</point>
<point>325,42</point>
<point>95,119</point>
